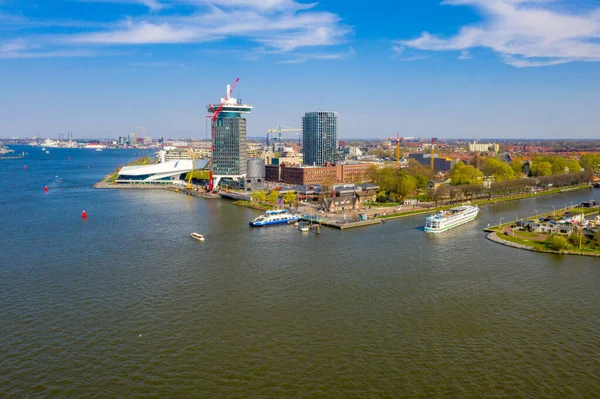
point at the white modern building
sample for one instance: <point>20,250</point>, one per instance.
<point>483,147</point>
<point>167,172</point>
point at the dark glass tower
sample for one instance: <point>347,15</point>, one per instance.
<point>319,138</point>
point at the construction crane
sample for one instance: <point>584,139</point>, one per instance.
<point>213,117</point>
<point>194,157</point>
<point>279,129</point>
<point>433,139</point>
<point>399,140</point>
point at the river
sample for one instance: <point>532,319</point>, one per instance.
<point>126,304</point>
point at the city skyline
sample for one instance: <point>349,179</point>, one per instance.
<point>457,68</point>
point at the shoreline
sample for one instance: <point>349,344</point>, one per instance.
<point>493,236</point>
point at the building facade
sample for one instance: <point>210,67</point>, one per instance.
<point>320,138</point>
<point>484,147</point>
<point>230,149</point>
<point>230,154</point>
<point>308,175</point>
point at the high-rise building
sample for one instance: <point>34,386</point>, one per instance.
<point>320,138</point>
<point>230,148</point>
<point>133,138</point>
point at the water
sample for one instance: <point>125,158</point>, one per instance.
<point>127,304</point>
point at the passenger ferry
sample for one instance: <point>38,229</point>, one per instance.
<point>281,216</point>
<point>453,217</point>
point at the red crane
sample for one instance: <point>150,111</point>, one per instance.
<point>213,117</point>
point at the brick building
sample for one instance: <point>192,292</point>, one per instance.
<point>308,175</point>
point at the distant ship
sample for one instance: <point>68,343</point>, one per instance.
<point>453,217</point>
<point>274,217</point>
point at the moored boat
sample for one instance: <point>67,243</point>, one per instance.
<point>304,227</point>
<point>453,217</point>
<point>280,216</point>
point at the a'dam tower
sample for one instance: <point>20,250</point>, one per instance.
<point>230,153</point>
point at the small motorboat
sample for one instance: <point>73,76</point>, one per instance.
<point>197,236</point>
<point>304,227</point>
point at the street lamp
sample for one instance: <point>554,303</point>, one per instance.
<point>536,213</point>
<point>501,222</point>
<point>554,212</point>
<point>516,221</point>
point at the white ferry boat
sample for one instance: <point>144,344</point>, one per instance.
<point>274,217</point>
<point>453,217</point>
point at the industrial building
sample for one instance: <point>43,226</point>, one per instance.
<point>320,138</point>
<point>230,152</point>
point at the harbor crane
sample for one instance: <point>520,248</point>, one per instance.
<point>399,140</point>
<point>213,117</point>
<point>280,129</point>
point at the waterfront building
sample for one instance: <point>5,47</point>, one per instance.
<point>167,172</point>
<point>320,138</point>
<point>484,147</point>
<point>309,175</point>
<point>132,138</point>
<point>230,147</point>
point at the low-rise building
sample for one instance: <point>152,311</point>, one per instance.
<point>339,204</point>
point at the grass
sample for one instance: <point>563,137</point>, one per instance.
<point>589,246</point>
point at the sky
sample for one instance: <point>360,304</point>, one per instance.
<point>421,68</point>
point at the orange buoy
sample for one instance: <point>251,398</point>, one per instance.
<point>84,215</point>
<point>46,188</point>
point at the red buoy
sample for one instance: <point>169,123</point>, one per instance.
<point>25,167</point>
<point>84,215</point>
<point>69,158</point>
<point>46,188</point>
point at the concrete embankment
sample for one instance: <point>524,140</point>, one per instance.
<point>494,237</point>
<point>150,186</point>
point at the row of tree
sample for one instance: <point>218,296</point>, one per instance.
<point>398,184</point>
<point>272,197</point>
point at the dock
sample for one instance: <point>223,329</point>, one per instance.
<point>341,224</point>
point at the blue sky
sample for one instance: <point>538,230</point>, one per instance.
<point>453,68</point>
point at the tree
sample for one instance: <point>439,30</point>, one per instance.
<point>557,243</point>
<point>542,169</point>
<point>498,169</point>
<point>517,166</point>
<point>259,196</point>
<point>465,174</point>
<point>290,197</point>
<point>404,185</point>
<point>590,162</point>
<point>273,196</point>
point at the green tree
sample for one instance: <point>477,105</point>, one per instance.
<point>517,166</point>
<point>272,197</point>
<point>541,169</point>
<point>405,185</point>
<point>498,169</point>
<point>259,196</point>
<point>290,197</point>
<point>557,243</point>
<point>465,174</point>
<point>591,162</point>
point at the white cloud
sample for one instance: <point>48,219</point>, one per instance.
<point>525,33</point>
<point>282,25</point>
<point>465,55</point>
